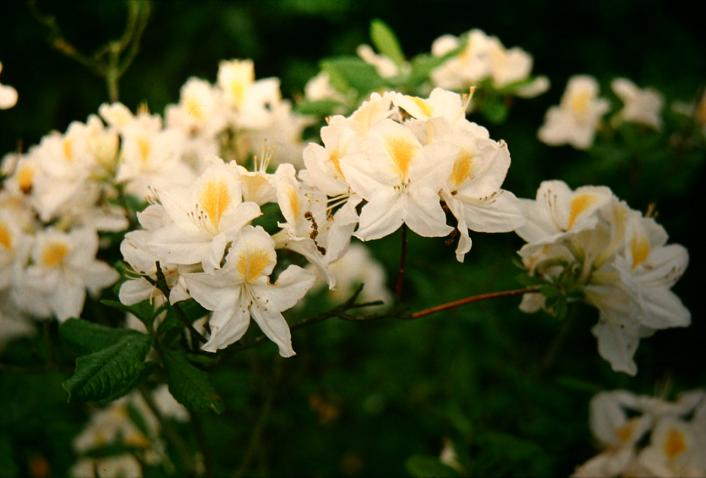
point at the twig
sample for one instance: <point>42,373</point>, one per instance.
<point>469,300</point>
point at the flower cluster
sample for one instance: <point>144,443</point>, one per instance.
<point>575,120</point>
<point>647,436</point>
<point>588,242</point>
<point>408,159</point>
<point>478,57</point>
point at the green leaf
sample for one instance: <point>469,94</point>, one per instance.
<point>348,73</point>
<point>142,310</point>
<point>318,108</point>
<point>425,466</point>
<point>85,337</point>
<point>109,373</point>
<point>189,385</point>
<point>385,41</point>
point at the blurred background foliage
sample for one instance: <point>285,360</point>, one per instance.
<point>511,391</point>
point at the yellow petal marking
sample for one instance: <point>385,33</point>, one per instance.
<point>624,432</point>
<point>193,107</point>
<point>54,254</point>
<point>252,263</point>
<point>25,178</point>
<point>402,151</point>
<point>293,197</point>
<point>640,249</point>
<point>5,237</point>
<point>68,148</point>
<point>335,158</point>
<point>463,166</point>
<point>675,444</point>
<point>422,105</point>
<point>214,200</point>
<point>252,186</point>
<point>579,204</point>
<point>144,147</point>
<point>580,103</point>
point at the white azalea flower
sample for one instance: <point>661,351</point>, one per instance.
<point>320,88</point>
<point>473,191</point>
<point>676,450</point>
<point>309,228</point>
<point>241,289</point>
<point>8,95</point>
<point>199,111</point>
<point>558,210</point>
<point>576,118</point>
<point>639,105</point>
<point>250,99</point>
<point>64,266</point>
<point>384,66</point>
<point>204,217</point>
<point>615,432</point>
<point>400,179</point>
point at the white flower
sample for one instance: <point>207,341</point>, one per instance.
<point>200,110</point>
<point>310,228</point>
<point>400,179</point>
<point>575,120</point>
<point>64,266</point>
<point>384,66</point>
<point>639,105</point>
<point>558,210</point>
<point>472,190</point>
<point>676,450</point>
<point>250,99</point>
<point>8,95</point>
<point>616,433</point>
<point>241,289</point>
<point>205,216</point>
<point>320,88</point>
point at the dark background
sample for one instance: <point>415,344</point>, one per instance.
<point>484,375</point>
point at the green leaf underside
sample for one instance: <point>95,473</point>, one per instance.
<point>86,337</point>
<point>189,385</point>
<point>109,373</point>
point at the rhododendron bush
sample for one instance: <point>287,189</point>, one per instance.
<point>346,274</point>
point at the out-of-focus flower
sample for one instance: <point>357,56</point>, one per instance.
<point>639,105</point>
<point>576,118</point>
<point>620,421</point>
<point>8,95</point>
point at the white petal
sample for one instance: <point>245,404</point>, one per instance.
<point>135,291</point>
<point>68,301</point>
<point>382,215</point>
<point>274,326</point>
<point>663,309</point>
<point>499,214</point>
<point>424,214</point>
<point>227,327</point>
<point>214,291</point>
<point>291,286</point>
<point>617,345</point>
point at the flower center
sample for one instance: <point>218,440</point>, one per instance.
<point>252,263</point>
<point>54,254</point>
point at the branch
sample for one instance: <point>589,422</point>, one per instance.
<point>469,300</point>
